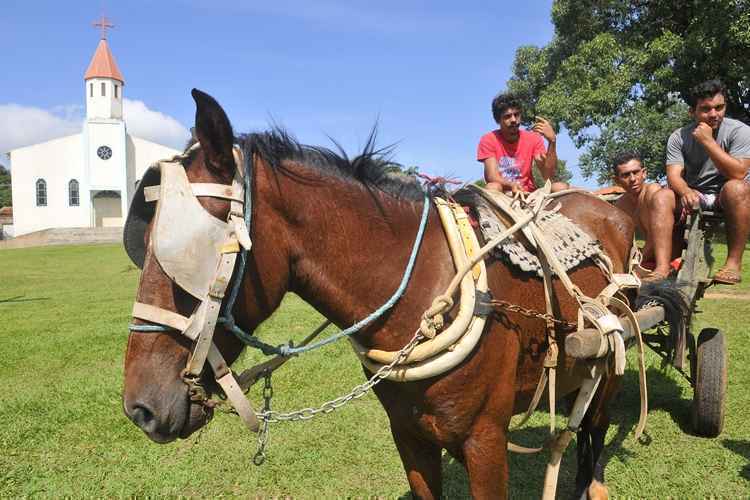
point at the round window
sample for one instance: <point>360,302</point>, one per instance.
<point>104,152</point>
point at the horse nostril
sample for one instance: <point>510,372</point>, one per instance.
<point>143,417</point>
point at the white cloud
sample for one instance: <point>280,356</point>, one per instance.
<point>153,125</point>
<point>26,125</point>
<point>23,125</point>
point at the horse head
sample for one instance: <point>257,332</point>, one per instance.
<point>180,239</point>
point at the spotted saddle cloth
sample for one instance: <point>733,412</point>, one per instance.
<point>571,244</point>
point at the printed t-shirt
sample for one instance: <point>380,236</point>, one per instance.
<point>514,159</point>
<point>700,172</point>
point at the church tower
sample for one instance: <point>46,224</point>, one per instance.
<point>104,85</point>
<point>105,140</point>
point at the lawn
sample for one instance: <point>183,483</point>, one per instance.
<point>63,329</point>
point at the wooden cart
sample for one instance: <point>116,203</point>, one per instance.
<point>701,359</point>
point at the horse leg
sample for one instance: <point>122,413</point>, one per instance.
<point>584,461</point>
<point>590,444</point>
<point>486,461</point>
<point>421,461</point>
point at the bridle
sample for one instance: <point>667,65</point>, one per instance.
<point>177,250</point>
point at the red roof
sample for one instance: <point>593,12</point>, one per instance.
<point>6,211</point>
<point>103,64</point>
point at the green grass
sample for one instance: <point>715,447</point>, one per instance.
<point>63,329</point>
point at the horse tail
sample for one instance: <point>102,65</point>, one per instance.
<point>676,306</point>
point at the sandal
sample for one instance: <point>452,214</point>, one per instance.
<point>727,277</point>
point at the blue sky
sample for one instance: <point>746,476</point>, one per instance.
<point>426,71</point>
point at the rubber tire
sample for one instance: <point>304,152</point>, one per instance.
<point>710,383</point>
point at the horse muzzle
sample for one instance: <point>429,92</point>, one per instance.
<point>165,419</point>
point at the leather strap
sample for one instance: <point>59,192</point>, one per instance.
<point>228,383</point>
<point>151,193</point>
<point>161,316</point>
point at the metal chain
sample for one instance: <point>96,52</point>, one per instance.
<point>269,416</point>
<point>530,313</point>
<point>263,435</point>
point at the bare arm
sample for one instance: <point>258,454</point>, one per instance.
<point>730,167</point>
<point>688,197</point>
<point>548,163</point>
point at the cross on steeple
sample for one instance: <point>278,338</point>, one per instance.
<point>103,24</point>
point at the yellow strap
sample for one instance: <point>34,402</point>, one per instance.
<point>464,227</point>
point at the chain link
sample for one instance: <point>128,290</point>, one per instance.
<point>269,416</point>
<point>530,313</point>
<point>264,434</point>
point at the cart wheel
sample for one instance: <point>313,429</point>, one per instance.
<point>710,378</point>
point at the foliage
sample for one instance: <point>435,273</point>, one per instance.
<point>62,342</point>
<point>562,174</point>
<point>5,192</point>
<point>617,72</point>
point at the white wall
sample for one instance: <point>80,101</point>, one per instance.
<point>57,162</point>
<point>141,154</point>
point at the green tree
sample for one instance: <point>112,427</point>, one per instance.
<point>616,72</point>
<point>5,195</point>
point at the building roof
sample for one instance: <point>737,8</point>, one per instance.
<point>103,64</point>
<point>6,211</point>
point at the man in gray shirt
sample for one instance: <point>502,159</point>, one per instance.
<point>707,166</point>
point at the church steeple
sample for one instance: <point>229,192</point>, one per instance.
<point>103,80</point>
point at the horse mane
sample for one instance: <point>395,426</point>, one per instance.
<point>373,167</point>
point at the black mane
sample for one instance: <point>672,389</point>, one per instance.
<point>373,167</point>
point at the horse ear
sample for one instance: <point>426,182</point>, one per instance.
<point>213,130</point>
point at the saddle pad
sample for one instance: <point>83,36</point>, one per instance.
<point>571,244</point>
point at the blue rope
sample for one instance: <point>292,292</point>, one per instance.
<point>289,350</point>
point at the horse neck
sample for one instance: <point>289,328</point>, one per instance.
<point>349,248</point>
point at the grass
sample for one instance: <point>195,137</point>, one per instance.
<point>64,312</point>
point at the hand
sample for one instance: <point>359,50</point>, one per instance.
<point>514,187</point>
<point>703,133</point>
<point>543,127</point>
<point>690,200</point>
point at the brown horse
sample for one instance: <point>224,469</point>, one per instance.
<point>338,233</point>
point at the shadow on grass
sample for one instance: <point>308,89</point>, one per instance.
<point>742,448</point>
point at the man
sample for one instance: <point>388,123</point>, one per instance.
<point>707,166</point>
<point>652,208</point>
<point>509,152</point>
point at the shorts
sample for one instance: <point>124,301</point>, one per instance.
<point>709,201</point>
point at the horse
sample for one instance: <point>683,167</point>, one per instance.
<point>338,233</point>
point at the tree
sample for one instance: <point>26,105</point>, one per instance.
<point>617,72</point>
<point>5,194</point>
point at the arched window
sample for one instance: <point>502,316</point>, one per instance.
<point>74,199</point>
<point>41,193</point>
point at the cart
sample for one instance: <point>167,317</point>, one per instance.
<point>701,359</point>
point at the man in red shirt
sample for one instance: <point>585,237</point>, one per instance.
<point>509,152</point>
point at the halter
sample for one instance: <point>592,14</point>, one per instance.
<point>202,268</point>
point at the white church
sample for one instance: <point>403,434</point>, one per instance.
<point>86,179</point>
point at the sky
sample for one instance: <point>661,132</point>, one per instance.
<point>424,71</point>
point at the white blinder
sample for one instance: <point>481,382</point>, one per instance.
<point>187,240</point>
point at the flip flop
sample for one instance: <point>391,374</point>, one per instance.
<point>727,277</point>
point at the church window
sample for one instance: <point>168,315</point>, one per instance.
<point>74,199</point>
<point>117,94</point>
<point>91,90</point>
<point>104,89</point>
<point>41,193</point>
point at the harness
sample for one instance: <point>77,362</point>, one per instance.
<point>198,252</point>
<point>180,229</point>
